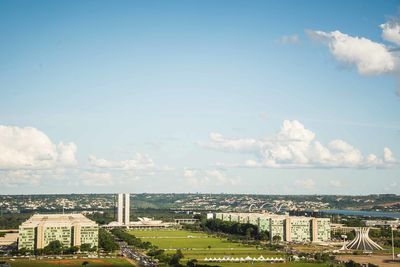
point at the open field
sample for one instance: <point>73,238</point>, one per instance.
<point>167,233</point>
<point>288,264</point>
<point>70,263</point>
<point>195,245</point>
<point>185,240</point>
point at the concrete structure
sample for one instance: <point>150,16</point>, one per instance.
<point>9,239</point>
<point>123,221</point>
<point>143,223</point>
<point>70,229</point>
<point>288,228</point>
<point>123,206</point>
<point>362,241</point>
<point>186,221</point>
<point>341,228</point>
<point>392,223</point>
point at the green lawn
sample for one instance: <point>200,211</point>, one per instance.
<point>166,233</point>
<point>260,264</point>
<point>194,245</point>
<point>70,263</point>
<point>178,239</point>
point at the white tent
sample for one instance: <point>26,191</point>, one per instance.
<point>205,259</point>
<point>242,259</point>
<point>248,258</point>
<point>261,258</point>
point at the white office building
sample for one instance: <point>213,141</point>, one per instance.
<point>123,213</point>
<point>123,206</point>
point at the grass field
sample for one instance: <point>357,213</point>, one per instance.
<point>167,233</point>
<point>195,245</point>
<point>70,263</point>
<point>288,264</point>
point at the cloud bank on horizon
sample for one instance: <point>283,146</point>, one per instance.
<point>295,146</point>
<point>369,57</point>
<point>28,156</point>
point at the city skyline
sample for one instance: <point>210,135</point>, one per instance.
<point>228,96</point>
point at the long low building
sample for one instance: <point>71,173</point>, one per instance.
<point>288,228</point>
<point>70,229</point>
<point>143,223</point>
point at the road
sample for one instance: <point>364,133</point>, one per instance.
<point>141,259</point>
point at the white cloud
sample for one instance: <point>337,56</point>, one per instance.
<point>102,172</point>
<point>14,178</point>
<point>294,146</point>
<point>305,183</point>
<point>28,156</point>
<point>140,162</point>
<point>29,148</point>
<point>388,156</point>
<point>198,178</point>
<point>289,39</point>
<point>369,57</point>
<point>391,32</point>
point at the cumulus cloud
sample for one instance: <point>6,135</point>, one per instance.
<point>369,57</point>
<point>14,178</point>
<point>29,148</point>
<point>200,178</point>
<point>103,172</point>
<point>391,32</point>
<point>140,162</point>
<point>295,146</point>
<point>27,156</point>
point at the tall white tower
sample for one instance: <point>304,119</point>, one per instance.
<point>127,209</point>
<point>123,208</point>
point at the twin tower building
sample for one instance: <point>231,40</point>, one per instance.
<point>123,209</point>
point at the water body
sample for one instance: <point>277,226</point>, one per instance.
<point>380,214</point>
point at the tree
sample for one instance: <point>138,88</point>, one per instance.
<point>264,235</point>
<point>86,247</point>
<point>106,241</point>
<point>176,258</point>
<point>72,250</point>
<point>85,263</point>
<point>191,263</point>
<point>276,238</point>
<point>54,247</point>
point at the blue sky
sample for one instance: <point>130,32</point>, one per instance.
<point>194,96</point>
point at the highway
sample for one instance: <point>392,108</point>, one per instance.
<point>140,258</point>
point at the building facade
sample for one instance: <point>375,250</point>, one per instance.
<point>70,229</point>
<point>123,206</point>
<point>287,228</point>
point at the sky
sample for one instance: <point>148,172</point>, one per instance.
<point>261,97</point>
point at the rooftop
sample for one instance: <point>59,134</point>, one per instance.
<point>57,220</point>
